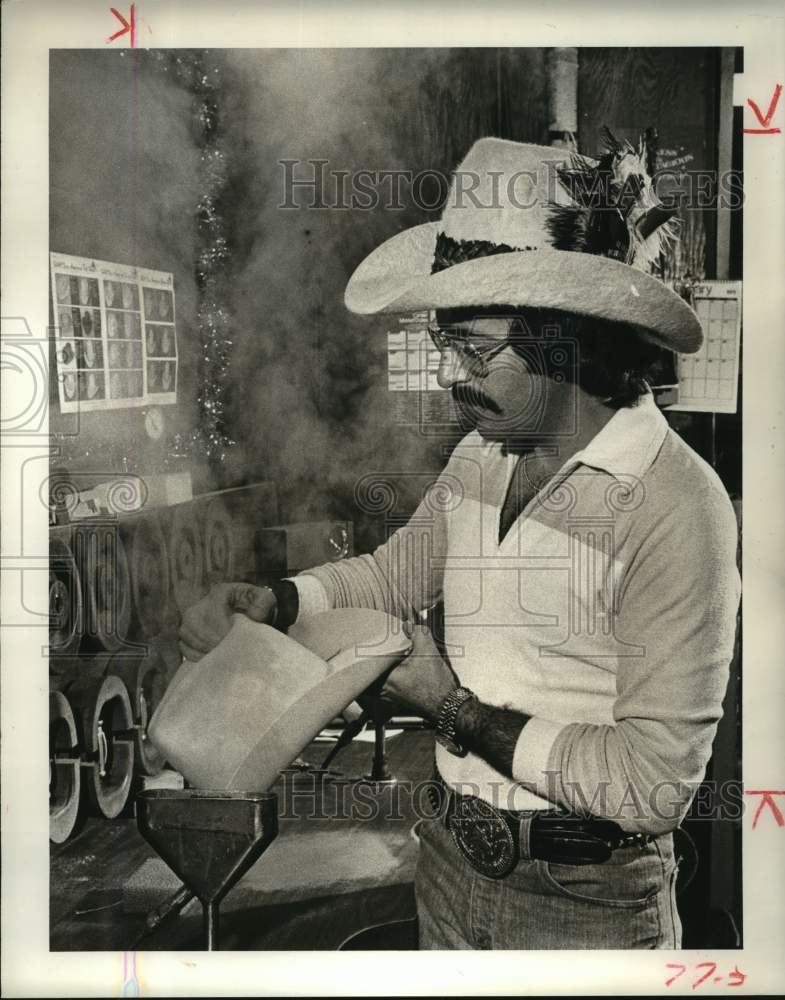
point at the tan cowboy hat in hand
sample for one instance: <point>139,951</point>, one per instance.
<point>235,718</point>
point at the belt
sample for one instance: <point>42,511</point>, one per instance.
<point>493,840</point>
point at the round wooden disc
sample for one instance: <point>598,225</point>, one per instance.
<point>66,610</point>
<point>145,680</point>
<point>102,710</point>
<point>64,774</point>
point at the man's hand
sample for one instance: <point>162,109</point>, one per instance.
<point>423,680</point>
<point>209,620</point>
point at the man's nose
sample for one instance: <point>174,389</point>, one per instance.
<point>452,368</point>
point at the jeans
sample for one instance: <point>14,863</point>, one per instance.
<point>627,902</point>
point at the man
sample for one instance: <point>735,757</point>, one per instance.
<point>584,554</point>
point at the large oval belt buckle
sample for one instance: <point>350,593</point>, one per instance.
<point>482,836</point>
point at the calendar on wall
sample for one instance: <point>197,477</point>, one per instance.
<point>412,369</point>
<point>709,379</point>
<point>115,334</point>
<point>412,357</point>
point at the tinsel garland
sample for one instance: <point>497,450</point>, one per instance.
<point>209,440</point>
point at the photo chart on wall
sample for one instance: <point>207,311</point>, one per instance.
<point>115,334</point>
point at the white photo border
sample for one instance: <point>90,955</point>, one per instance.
<point>30,29</point>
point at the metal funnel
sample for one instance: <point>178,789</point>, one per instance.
<point>208,839</point>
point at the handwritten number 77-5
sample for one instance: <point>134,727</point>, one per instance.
<point>734,978</point>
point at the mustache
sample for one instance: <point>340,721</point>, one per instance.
<point>472,395</point>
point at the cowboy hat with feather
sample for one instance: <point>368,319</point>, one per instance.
<point>538,226</point>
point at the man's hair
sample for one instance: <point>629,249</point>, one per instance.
<point>614,361</point>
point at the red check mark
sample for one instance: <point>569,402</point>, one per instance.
<point>769,114</point>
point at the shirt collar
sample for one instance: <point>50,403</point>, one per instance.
<point>628,444</point>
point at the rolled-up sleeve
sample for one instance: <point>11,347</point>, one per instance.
<point>678,603</point>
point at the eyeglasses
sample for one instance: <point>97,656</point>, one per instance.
<point>453,339</point>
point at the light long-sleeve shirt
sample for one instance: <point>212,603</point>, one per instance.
<point>607,614</point>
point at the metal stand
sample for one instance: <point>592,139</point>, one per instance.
<point>380,771</point>
<point>211,925</point>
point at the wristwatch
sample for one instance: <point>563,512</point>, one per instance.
<point>445,726</point>
<point>287,604</point>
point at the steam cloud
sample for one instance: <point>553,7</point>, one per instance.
<point>307,401</point>
<point>309,392</point>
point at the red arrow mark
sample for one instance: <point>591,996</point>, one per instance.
<point>767,799</point>
<point>127,26</point>
<point>769,114</point>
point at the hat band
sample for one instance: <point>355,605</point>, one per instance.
<point>449,252</point>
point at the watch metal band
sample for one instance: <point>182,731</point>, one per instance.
<point>445,726</point>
